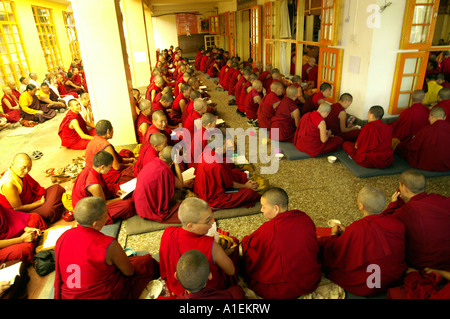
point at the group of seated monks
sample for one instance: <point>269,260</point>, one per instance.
<point>407,241</point>
<point>420,135</point>
<point>37,102</point>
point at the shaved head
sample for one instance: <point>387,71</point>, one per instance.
<point>21,164</point>
<point>200,105</point>
<point>21,157</point>
<point>417,96</point>
<point>166,155</point>
<point>145,105</point>
<point>438,112</point>
<point>444,93</point>
<point>414,181</point>
<point>277,196</point>
<point>377,111</point>
<point>208,118</point>
<point>157,139</point>
<point>291,91</point>
<point>89,210</point>
<point>191,210</point>
<point>324,108</point>
<point>372,199</point>
<point>193,270</point>
<point>158,114</point>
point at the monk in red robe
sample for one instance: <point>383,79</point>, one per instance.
<point>269,104</point>
<point>90,182</point>
<point>239,88</point>
<point>122,168</point>
<point>376,239</point>
<point>10,105</point>
<point>155,189</point>
<point>426,218</point>
<point>199,108</point>
<point>310,73</point>
<point>252,102</point>
<point>31,109</point>
<point>73,131</point>
<point>444,102</point>
<point>149,152</point>
<point>222,73</point>
<point>411,120</point>
<point>275,77</point>
<point>20,192</point>
<point>234,78</point>
<point>196,219</point>
<point>143,121</point>
<point>429,150</point>
<point>424,284</point>
<point>199,139</point>
<point>199,57</point>
<point>337,120</point>
<point>60,80</point>
<point>184,79</point>
<point>190,107</point>
<point>165,104</point>
<point>273,266</point>
<point>71,86</point>
<point>312,136</point>
<point>159,125</point>
<point>155,88</point>
<point>193,273</point>
<point>18,234</point>
<point>287,117</point>
<point>313,102</point>
<point>181,102</point>
<point>203,61</point>
<point>104,269</point>
<point>214,178</point>
<point>373,148</point>
<point>266,75</point>
<point>226,80</point>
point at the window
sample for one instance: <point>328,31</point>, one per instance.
<point>214,25</point>
<point>268,21</point>
<point>269,52</point>
<point>47,35</point>
<point>330,18</point>
<point>419,23</point>
<point>13,60</point>
<point>330,65</point>
<point>409,76</point>
<point>232,31</point>
<point>210,40</point>
<point>255,49</point>
<point>71,31</point>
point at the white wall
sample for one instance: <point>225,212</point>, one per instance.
<point>165,31</point>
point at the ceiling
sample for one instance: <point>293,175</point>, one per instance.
<point>162,7</point>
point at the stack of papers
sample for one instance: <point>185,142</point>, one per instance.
<point>240,160</point>
<point>188,174</point>
<point>9,273</point>
<point>219,121</point>
<point>128,187</point>
<point>202,87</point>
<point>53,235</point>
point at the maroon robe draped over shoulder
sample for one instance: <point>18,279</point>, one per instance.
<point>70,137</point>
<point>410,121</point>
<point>283,120</point>
<point>266,110</point>
<point>334,124</point>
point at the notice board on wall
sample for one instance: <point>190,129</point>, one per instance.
<point>187,23</point>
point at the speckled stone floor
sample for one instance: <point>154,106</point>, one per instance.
<point>324,191</point>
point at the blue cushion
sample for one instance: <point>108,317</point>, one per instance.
<point>292,153</point>
<point>112,230</point>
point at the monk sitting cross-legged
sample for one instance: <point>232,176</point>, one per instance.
<point>313,102</point>
<point>73,131</point>
<point>287,117</point>
<point>10,105</point>
<point>376,239</point>
<point>90,182</point>
<point>122,168</point>
<point>411,120</point>
<point>196,220</point>
<point>281,256</point>
<point>193,274</point>
<point>149,152</point>
<point>373,148</point>
<point>155,189</point>
<point>214,179</point>
<point>31,109</point>
<point>444,102</point>
<point>429,149</point>
<point>143,120</point>
<point>159,125</point>
<point>337,120</point>
<point>427,220</point>
<point>19,191</point>
<point>104,269</point>
<point>312,136</point>
<point>269,103</point>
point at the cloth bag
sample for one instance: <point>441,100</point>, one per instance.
<point>44,262</point>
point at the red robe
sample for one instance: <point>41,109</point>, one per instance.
<point>264,77</point>
<point>445,104</point>
<point>410,121</point>
<point>139,121</point>
<point>307,136</point>
<point>222,73</point>
<point>187,111</point>
<point>266,110</point>
<point>272,264</point>
<point>312,103</point>
<point>374,239</point>
<point>374,146</point>
<point>153,129</point>
<point>12,224</point>
<point>170,120</point>
<point>176,90</point>
<point>175,241</point>
<point>69,137</point>
<point>209,62</point>
<point>176,109</point>
<point>154,191</point>
<point>251,107</point>
<point>203,61</point>
<point>242,96</point>
<point>212,71</point>
<point>427,220</point>
<point>333,124</point>
<point>283,120</point>
<point>32,191</point>
<point>420,285</point>
<point>114,177</point>
<point>86,248</point>
<point>198,58</point>
<point>148,94</point>
<point>213,177</point>
<point>146,155</point>
<point>226,79</point>
<point>12,116</point>
<point>429,149</point>
<point>233,81</point>
<point>238,91</point>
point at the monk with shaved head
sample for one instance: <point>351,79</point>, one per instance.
<point>19,191</point>
<point>196,220</point>
<point>143,121</point>
<point>10,105</point>
<point>273,266</point>
<point>287,117</point>
<point>427,219</point>
<point>159,125</point>
<point>158,142</point>
<point>444,102</point>
<point>312,136</point>
<point>429,149</point>
<point>376,239</point>
<point>105,271</point>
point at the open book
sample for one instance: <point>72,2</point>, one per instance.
<point>219,121</point>
<point>240,160</point>
<point>9,273</point>
<point>128,187</point>
<point>202,87</point>
<point>188,174</point>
